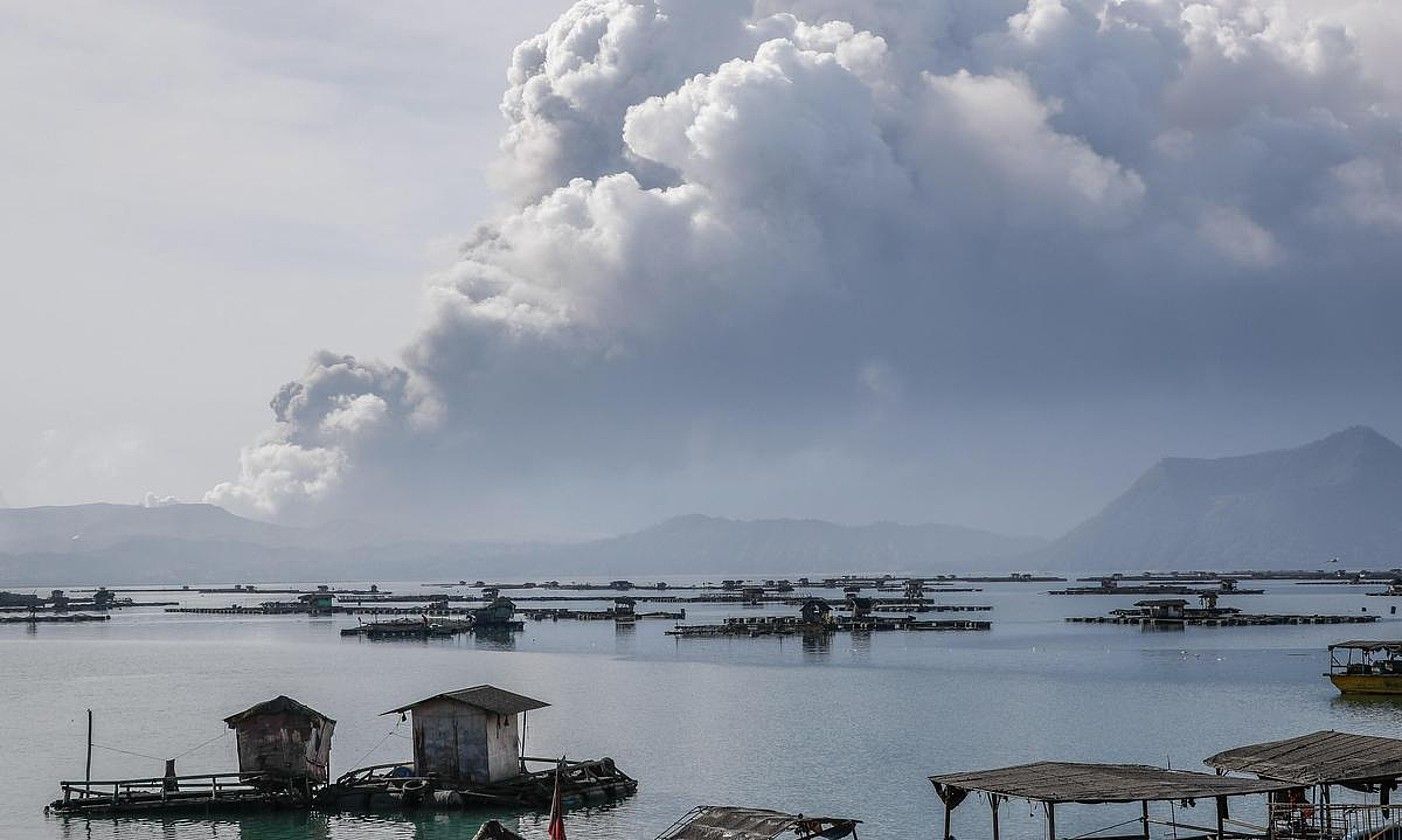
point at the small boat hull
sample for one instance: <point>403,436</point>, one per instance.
<point>1368,683</point>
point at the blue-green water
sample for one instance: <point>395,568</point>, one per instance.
<point>851,728</point>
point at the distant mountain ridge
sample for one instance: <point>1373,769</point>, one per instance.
<point>1340,496</point>
<point>117,544</point>
<point>781,545</point>
<point>1336,497</point>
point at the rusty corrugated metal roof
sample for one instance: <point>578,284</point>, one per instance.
<point>282,704</point>
<point>723,822</point>
<point>487,697</point>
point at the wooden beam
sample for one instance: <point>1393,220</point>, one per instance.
<point>993,804</point>
<point>1145,818</point>
<point>1051,820</point>
<point>1221,817</point>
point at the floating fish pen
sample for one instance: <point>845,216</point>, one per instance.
<point>467,754</point>
<point>757,626</point>
<point>284,749</point>
<point>53,618</point>
<point>396,786</point>
<point>906,607</point>
<point>598,615</point>
<point>1173,613</point>
<point>407,628</point>
<point>207,793</point>
<point>1112,586</point>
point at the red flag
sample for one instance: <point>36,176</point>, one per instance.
<point>557,806</point>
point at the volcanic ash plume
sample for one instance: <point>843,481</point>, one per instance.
<point>748,236</point>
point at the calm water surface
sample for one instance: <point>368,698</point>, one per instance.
<point>850,728</point>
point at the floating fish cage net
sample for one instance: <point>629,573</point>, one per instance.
<point>1337,822</point>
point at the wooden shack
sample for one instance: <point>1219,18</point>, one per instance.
<point>283,740</point>
<point>472,735</point>
<point>1163,610</point>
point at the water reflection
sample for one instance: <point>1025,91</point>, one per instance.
<point>816,644</point>
<point>1369,707</point>
<point>494,639</point>
<point>861,644</point>
<point>290,826</point>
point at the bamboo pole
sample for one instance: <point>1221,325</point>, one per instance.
<point>87,770</point>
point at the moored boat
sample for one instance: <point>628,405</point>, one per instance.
<point>1366,667</point>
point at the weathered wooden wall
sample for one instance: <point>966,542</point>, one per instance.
<point>464,743</point>
<point>286,745</point>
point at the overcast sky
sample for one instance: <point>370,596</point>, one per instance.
<point>972,261</point>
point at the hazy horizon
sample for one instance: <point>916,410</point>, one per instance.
<point>961,262</point>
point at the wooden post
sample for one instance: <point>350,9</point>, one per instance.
<point>1145,818</point>
<point>1385,797</point>
<point>1221,817</point>
<point>993,803</point>
<point>947,810</point>
<point>1051,820</point>
<point>87,771</point>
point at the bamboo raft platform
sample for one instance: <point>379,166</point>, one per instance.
<point>1152,589</point>
<point>1238,620</point>
<point>907,607</point>
<point>791,626</point>
<point>426,628</point>
<point>203,793</point>
<point>53,618</point>
<point>596,615</point>
<point>236,609</point>
<point>394,786</point>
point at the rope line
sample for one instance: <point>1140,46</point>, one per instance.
<point>203,744</point>
<point>378,744</point>
<point>126,752</point>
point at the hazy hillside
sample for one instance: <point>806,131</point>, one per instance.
<point>1336,497</point>
<point>203,544</point>
<point>778,545</point>
<point>84,528</point>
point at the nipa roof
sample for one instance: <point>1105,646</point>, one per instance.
<point>1318,758</point>
<point>487,697</point>
<point>723,822</point>
<point>282,704</point>
<point>1059,781</point>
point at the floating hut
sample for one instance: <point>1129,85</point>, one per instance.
<point>468,753</point>
<point>470,735</point>
<point>710,822</point>
<point>283,743</point>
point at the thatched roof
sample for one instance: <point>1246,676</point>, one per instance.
<point>487,697</point>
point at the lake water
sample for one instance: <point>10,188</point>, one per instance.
<point>851,728</point>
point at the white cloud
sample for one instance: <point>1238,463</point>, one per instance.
<point>155,500</point>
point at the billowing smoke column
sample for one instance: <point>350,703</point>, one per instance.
<point>748,231</point>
